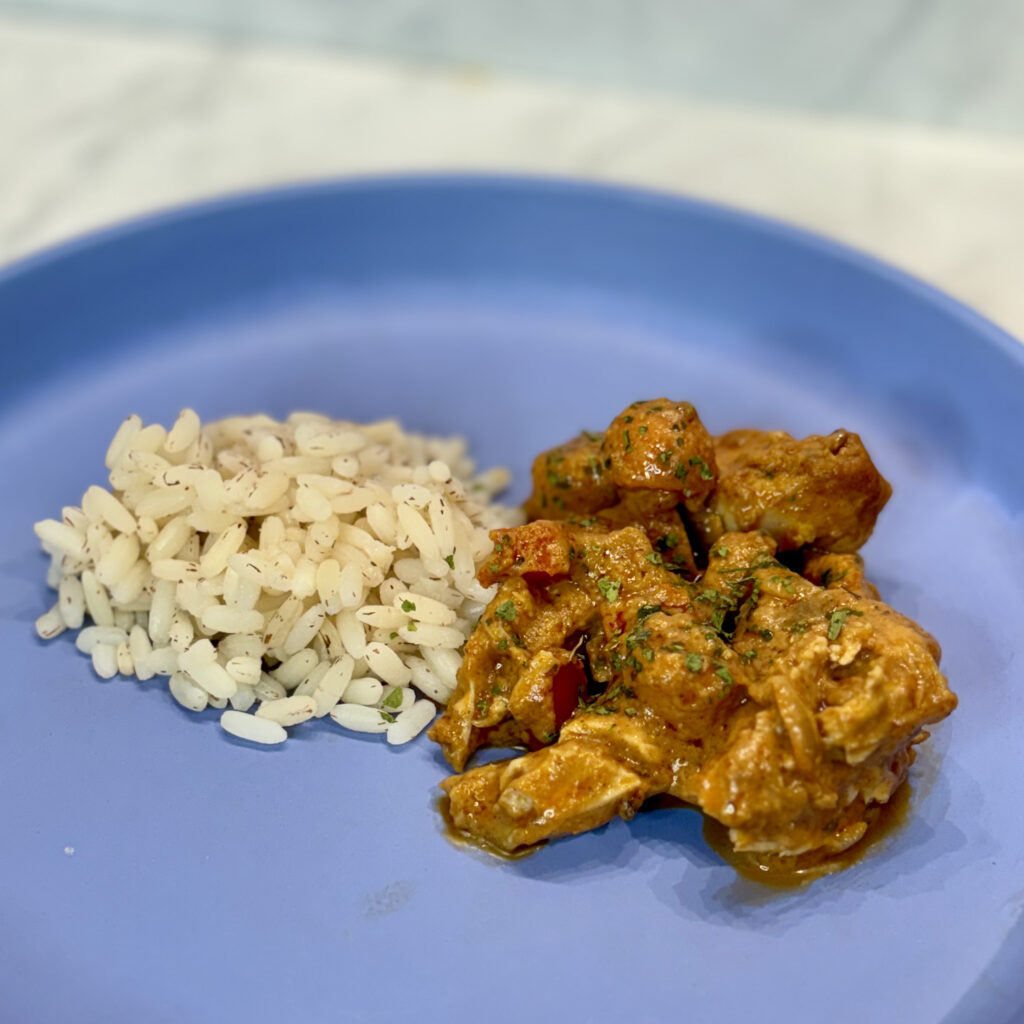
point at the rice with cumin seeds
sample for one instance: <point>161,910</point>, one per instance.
<point>280,571</point>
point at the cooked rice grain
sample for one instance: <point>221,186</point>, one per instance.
<point>306,568</point>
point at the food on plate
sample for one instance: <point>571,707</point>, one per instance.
<point>687,615</point>
<point>303,568</point>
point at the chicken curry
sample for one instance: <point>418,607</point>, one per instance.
<point>687,615</point>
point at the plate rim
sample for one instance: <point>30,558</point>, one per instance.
<point>123,229</point>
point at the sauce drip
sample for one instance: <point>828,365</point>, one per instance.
<point>793,872</point>
<point>466,841</point>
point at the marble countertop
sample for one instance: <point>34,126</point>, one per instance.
<point>100,123</point>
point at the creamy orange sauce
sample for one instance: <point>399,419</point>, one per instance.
<point>793,872</point>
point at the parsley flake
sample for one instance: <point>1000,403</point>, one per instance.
<point>837,620</point>
<point>705,469</point>
<point>506,611</point>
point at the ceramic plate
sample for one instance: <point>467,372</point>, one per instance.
<point>155,870</point>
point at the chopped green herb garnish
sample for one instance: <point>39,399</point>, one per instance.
<point>705,469</point>
<point>393,699</point>
<point>637,637</point>
<point>506,611</point>
<point>663,457</point>
<point>827,578</point>
<point>450,559</point>
<point>785,582</point>
<point>725,675</point>
<point>630,712</point>
<point>387,717</point>
<point>408,606</point>
<point>609,588</point>
<point>694,662</point>
<point>837,620</point>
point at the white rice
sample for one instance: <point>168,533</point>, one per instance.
<point>279,570</point>
<point>252,727</point>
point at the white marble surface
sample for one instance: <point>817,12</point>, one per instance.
<point>98,124</point>
<point>942,62</point>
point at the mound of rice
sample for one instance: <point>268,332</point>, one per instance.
<point>295,570</point>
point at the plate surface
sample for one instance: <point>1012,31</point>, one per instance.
<point>151,869</point>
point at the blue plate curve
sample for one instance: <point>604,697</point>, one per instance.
<point>154,870</point>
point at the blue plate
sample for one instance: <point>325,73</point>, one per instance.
<point>153,870</point>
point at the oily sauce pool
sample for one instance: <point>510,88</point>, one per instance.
<point>777,872</point>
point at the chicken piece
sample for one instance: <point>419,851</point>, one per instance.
<point>653,467</point>
<point>657,512</point>
<point>539,549</point>
<point>542,548</point>
<point>663,446</point>
<point>555,579</point>
<point>520,624</point>
<point>841,687</point>
<point>821,491</point>
<point>564,789</point>
<point>644,736</point>
<point>547,692</point>
<point>830,570</point>
<point>671,688</point>
<point>571,479</point>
